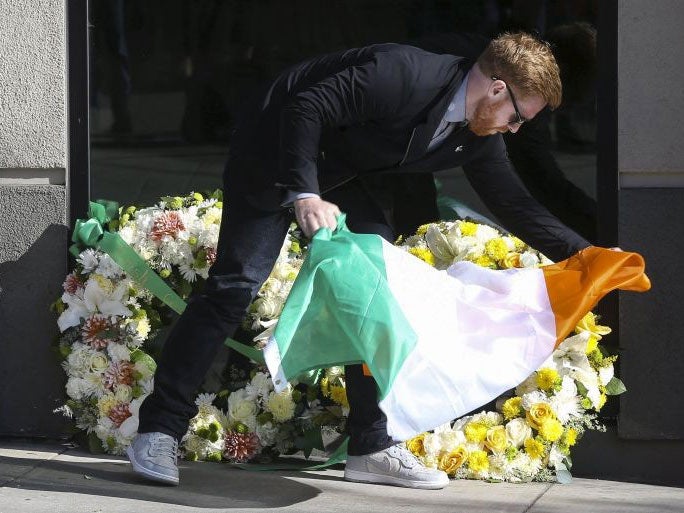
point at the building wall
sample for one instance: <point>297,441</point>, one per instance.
<point>33,235</point>
<point>651,200</point>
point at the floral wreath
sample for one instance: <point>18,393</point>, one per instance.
<point>108,323</point>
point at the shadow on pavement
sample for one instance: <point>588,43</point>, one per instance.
<point>203,485</point>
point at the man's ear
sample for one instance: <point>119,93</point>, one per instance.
<point>496,88</point>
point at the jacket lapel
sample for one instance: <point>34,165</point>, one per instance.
<point>422,134</point>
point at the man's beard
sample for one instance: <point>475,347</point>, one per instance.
<point>482,121</point>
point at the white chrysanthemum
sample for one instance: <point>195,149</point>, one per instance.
<point>109,268</point>
<point>281,405</point>
<point>89,260</point>
<point>79,388</point>
<point>555,457</point>
<point>488,418</point>
<point>486,233</point>
<point>267,433</point>
<point>118,353</point>
<point>188,272</point>
<point>565,403</point>
<point>260,386</point>
<point>532,398</point>
<point>128,234</point>
<point>204,400</point>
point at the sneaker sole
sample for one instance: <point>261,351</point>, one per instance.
<point>357,476</point>
<point>150,474</point>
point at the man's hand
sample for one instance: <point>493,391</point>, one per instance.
<point>314,213</point>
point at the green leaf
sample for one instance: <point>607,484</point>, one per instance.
<point>615,387</point>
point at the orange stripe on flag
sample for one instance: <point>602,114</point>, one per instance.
<point>366,370</point>
<point>575,285</point>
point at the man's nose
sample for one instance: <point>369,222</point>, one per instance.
<point>513,127</point>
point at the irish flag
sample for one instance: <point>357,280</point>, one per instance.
<point>438,343</point>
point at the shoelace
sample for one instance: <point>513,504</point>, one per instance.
<point>406,456</point>
<point>165,447</point>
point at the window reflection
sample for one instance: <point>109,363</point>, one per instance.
<point>168,76</point>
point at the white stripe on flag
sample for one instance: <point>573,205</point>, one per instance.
<point>480,332</point>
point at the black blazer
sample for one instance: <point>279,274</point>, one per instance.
<point>374,110</point>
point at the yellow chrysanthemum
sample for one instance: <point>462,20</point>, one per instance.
<point>450,462</point>
<point>485,261</point>
<point>424,254</point>
<point>512,408</point>
<point>475,432</point>
<point>422,229</point>
<point>339,395</point>
<point>534,448</point>
<point>417,445</point>
<point>547,379</point>
<point>478,461</point>
<point>551,430</point>
<point>519,245</point>
<point>467,228</point>
<point>496,249</point>
<point>570,437</point>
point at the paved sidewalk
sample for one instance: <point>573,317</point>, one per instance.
<point>50,477</point>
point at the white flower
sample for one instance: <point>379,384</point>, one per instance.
<point>89,260</point>
<point>187,272</point>
<point>260,386</point>
<point>606,374</point>
<point>532,398</point>
<point>517,430</point>
<point>432,445</point>
<point>79,388</point>
<point>486,233</point>
<point>95,300</point>
<point>450,439</point>
<point>565,403</point>
<point>281,405</point>
<point>267,433</point>
<point>109,268</point>
<point>118,352</point>
<point>242,409</point>
<point>529,259</point>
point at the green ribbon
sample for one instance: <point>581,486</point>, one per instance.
<point>91,233</point>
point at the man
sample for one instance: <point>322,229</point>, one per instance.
<point>301,147</point>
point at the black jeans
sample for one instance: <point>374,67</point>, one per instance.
<point>249,244</point>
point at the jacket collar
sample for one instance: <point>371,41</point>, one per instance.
<point>423,132</point>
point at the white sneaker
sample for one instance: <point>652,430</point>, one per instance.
<point>155,456</point>
<point>396,466</point>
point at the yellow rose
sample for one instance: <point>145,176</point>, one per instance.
<point>551,429</point>
<point>450,462</point>
<point>416,445</point>
<point>478,461</point>
<point>538,413</point>
<point>534,448</point>
<point>475,432</point>
<point>510,260</point>
<point>512,408</point>
<point>547,378</point>
<point>496,440</point>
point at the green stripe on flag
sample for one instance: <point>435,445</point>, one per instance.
<point>341,310</point>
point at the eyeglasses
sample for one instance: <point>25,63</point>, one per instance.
<point>519,120</point>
